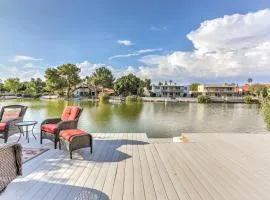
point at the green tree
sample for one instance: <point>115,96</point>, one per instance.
<point>128,85</point>
<point>12,85</point>
<point>23,87</point>
<point>102,77</point>
<point>2,88</point>
<point>35,87</point>
<point>62,78</point>
<point>147,84</point>
<point>259,90</point>
<point>69,73</point>
<point>194,87</point>
<point>54,82</point>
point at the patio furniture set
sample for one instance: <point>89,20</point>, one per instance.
<point>63,131</point>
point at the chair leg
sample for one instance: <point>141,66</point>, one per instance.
<point>60,145</point>
<point>40,137</point>
<point>55,144</point>
<point>70,154</point>
<point>91,145</point>
<point>6,139</point>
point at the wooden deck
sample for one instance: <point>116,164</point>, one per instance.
<point>132,167</point>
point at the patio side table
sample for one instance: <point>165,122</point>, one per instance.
<point>29,127</point>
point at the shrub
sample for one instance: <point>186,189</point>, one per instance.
<point>266,113</point>
<point>103,97</point>
<point>248,100</point>
<point>133,98</point>
<point>204,99</point>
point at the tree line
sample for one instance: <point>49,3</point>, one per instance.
<point>61,80</point>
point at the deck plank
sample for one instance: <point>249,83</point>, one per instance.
<point>146,174</point>
<point>110,179</point>
<point>128,184</point>
<point>160,178</point>
<point>139,192</point>
<point>118,186</point>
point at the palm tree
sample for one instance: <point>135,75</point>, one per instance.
<point>170,82</point>
<point>249,80</point>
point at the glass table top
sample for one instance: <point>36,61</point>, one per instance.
<point>26,123</point>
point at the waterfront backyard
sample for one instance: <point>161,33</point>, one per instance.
<point>134,100</point>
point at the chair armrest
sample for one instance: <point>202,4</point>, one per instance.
<point>70,124</point>
<point>51,121</point>
<point>14,152</point>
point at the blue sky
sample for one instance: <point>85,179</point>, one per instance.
<point>143,37</point>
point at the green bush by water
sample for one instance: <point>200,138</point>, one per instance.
<point>266,113</point>
<point>204,99</point>
<point>133,98</point>
<point>248,100</point>
<point>103,97</point>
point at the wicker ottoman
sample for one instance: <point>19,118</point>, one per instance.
<point>73,139</point>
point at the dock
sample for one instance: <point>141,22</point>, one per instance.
<point>130,166</point>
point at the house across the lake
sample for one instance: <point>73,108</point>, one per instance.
<point>218,90</point>
<point>168,90</point>
<point>84,90</point>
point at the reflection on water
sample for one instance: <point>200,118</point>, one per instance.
<point>155,119</point>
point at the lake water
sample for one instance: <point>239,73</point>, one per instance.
<point>155,119</point>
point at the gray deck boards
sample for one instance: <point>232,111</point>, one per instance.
<point>132,167</point>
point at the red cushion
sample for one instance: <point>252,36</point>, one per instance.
<point>2,126</point>
<point>70,113</point>
<point>74,113</point>
<point>66,113</point>
<point>70,133</point>
<point>50,128</point>
<point>10,113</point>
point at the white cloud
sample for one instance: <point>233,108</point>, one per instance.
<point>28,65</point>
<point>24,72</point>
<point>129,70</point>
<point>29,70</point>
<point>125,42</point>
<point>228,47</point>
<point>21,58</point>
<point>136,53</point>
<point>87,68</point>
<point>158,28</point>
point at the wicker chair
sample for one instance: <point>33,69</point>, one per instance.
<point>9,116</point>
<point>50,128</point>
<point>11,163</point>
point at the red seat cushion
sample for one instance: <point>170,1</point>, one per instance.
<point>70,133</point>
<point>50,128</point>
<point>2,126</point>
<point>70,113</point>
